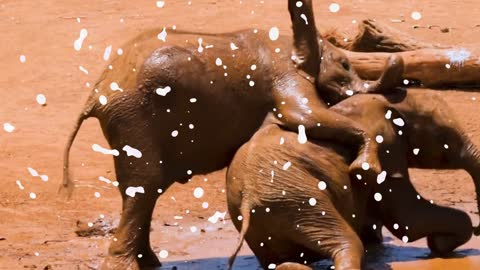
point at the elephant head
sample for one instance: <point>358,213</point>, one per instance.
<point>328,66</point>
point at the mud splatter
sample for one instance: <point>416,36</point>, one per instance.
<point>98,148</point>
<point>19,184</point>
<point>399,122</point>
<point>198,192</point>
<point>381,177</point>
<point>334,8</point>
<point>163,35</point>
<point>200,48</point>
<point>302,137</point>
<point>82,69</point>
<point>274,33</point>
<point>458,57</point>
<point>115,87</point>
<point>416,15</point>
<point>77,45</point>
<point>102,99</point>
<point>132,191</point>
<point>8,127</point>
<point>41,99</point>
<point>35,173</point>
<point>217,216</point>
<point>287,165</point>
<point>160,4</point>
<point>132,151</point>
<point>107,52</point>
<point>163,91</point>
<point>233,47</point>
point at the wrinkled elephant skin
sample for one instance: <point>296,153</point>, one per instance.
<point>179,103</point>
<point>296,204</point>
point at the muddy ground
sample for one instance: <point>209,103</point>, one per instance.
<point>40,233</point>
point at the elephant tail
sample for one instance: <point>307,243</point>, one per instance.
<point>67,186</point>
<point>245,214</point>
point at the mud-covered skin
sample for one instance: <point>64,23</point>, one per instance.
<point>281,225</point>
<point>187,107</point>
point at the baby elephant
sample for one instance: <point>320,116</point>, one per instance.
<point>295,204</point>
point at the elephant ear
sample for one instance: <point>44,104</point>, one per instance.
<point>306,52</point>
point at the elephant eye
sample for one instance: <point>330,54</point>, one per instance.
<point>346,66</point>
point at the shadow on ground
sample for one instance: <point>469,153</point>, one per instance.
<point>378,258</point>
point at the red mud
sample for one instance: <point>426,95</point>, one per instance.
<point>37,233</point>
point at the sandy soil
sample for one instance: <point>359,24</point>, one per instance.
<point>39,233</point>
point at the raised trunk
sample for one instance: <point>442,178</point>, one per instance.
<point>306,53</point>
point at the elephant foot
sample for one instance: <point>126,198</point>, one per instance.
<point>120,262</point>
<point>143,261</point>
<point>371,237</point>
<point>148,259</point>
<point>442,246</point>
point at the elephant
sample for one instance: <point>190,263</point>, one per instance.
<point>182,103</point>
<point>296,203</point>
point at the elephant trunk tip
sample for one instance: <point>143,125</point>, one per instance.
<point>392,75</point>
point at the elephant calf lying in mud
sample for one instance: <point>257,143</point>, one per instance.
<point>295,204</point>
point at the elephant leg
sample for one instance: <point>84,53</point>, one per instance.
<point>131,243</point>
<point>410,217</point>
<point>439,139</point>
<point>338,241</point>
<point>462,153</point>
<point>294,248</point>
<point>265,251</point>
<point>140,179</point>
<point>370,236</point>
<point>130,248</point>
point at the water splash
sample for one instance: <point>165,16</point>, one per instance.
<point>163,91</point>
<point>217,216</point>
<point>107,52</point>
<point>77,45</point>
<point>302,137</point>
<point>132,151</point>
<point>132,191</point>
<point>98,148</point>
<point>163,35</point>
<point>458,57</point>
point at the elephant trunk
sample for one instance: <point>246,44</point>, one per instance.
<point>471,156</point>
<point>306,51</point>
<point>390,78</point>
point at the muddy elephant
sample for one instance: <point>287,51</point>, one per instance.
<point>295,203</point>
<point>182,103</point>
